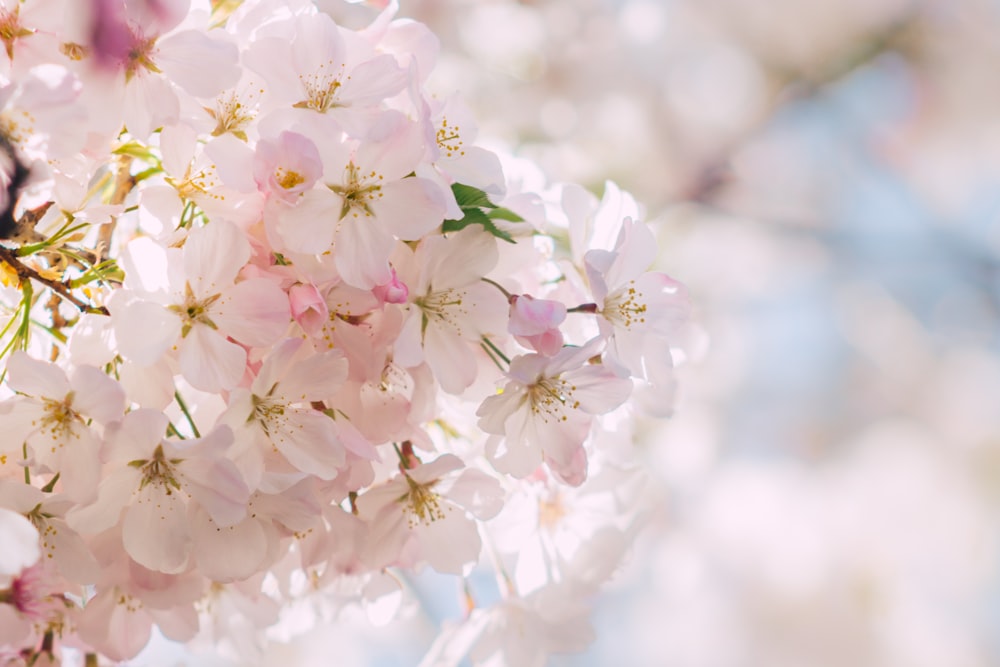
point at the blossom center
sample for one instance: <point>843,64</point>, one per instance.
<point>626,306</point>
<point>420,504</point>
<point>59,417</point>
<point>550,397</point>
<point>139,56</point>
<point>193,310</point>
<point>232,114</point>
<point>321,89</point>
<point>288,178</point>
<point>159,470</point>
<point>449,140</point>
<point>442,306</point>
<point>269,413</point>
<point>359,190</point>
<point>11,29</point>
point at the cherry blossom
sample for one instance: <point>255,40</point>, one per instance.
<point>279,333</point>
<point>433,508</point>
<point>51,418</point>
<point>543,412</point>
<point>200,308</point>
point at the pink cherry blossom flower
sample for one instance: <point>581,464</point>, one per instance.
<point>319,67</point>
<point>286,167</point>
<point>370,199</point>
<point>536,322</point>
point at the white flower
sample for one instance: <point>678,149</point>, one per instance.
<point>198,308</point>
<point>52,416</point>
<point>544,412</point>
<point>433,508</point>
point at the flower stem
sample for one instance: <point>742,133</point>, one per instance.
<point>496,350</point>
<point>187,414</point>
<point>499,287</point>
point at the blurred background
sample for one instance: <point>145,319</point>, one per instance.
<point>824,175</point>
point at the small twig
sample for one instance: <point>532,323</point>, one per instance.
<point>25,272</point>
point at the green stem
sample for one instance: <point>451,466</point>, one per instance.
<point>496,350</point>
<point>187,414</point>
<point>499,287</point>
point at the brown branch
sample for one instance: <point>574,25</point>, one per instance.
<point>25,272</point>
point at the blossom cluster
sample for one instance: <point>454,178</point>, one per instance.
<point>277,329</point>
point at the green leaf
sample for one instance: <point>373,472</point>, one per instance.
<point>470,197</point>
<point>475,216</point>
<point>501,213</point>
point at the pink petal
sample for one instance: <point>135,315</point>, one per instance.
<point>155,530</point>
<point>255,312</point>
<point>210,362</point>
<point>227,554</point>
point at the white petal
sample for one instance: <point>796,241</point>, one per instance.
<point>411,207</point>
<point>308,440</point>
<point>477,492</point>
<point>451,543</point>
<point>308,226</point>
<point>36,378</point>
<point>96,395</point>
<point>213,255</point>
<point>102,514</point>
<point>20,543</point>
<point>145,331</point>
<point>316,378</point>
<point>219,488</point>
<point>199,64</point>
<point>362,252</point>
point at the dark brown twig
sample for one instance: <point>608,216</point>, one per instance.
<point>25,272</point>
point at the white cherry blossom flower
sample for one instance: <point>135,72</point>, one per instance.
<point>275,413</point>
<point>637,309</point>
<point>451,307</point>
<point>435,509</point>
<point>198,310</point>
<point>152,485</point>
<point>52,417</point>
<point>544,411</point>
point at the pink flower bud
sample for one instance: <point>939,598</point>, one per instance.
<point>536,322</point>
<point>308,307</point>
<point>394,291</point>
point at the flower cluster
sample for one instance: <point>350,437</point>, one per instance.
<point>277,329</point>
